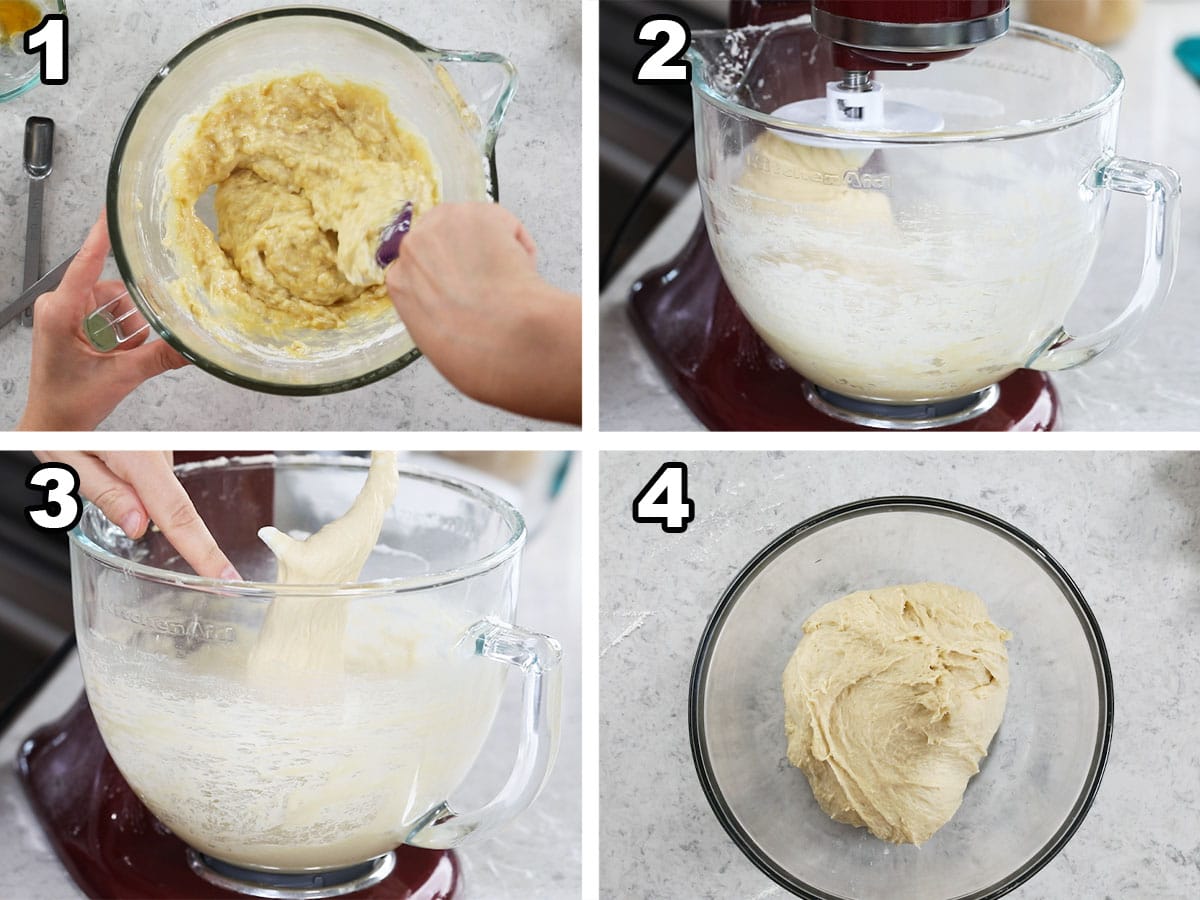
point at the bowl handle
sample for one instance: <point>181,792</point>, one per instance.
<point>485,84</point>
<point>1160,186</point>
<point>538,657</point>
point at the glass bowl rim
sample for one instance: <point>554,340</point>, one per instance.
<point>971,516</point>
<point>114,177</point>
<point>1095,107</point>
<point>265,590</point>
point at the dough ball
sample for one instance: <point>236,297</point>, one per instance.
<point>891,699</point>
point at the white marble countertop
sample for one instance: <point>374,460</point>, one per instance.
<point>115,48</point>
<point>537,856</point>
<point>1123,525</point>
<point>1152,384</point>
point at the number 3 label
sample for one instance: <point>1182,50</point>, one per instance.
<point>665,62</point>
<point>49,40</point>
<point>62,508</point>
<point>664,500</point>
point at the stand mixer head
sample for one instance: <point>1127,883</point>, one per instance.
<point>906,35</point>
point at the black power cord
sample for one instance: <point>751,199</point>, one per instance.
<point>638,201</point>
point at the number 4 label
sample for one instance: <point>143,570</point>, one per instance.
<point>49,40</point>
<point>665,62</point>
<point>664,500</point>
<point>61,509</point>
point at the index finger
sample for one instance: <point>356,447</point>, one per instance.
<point>171,509</point>
<point>88,264</point>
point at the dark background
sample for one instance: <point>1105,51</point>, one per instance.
<point>35,582</point>
<point>639,122</point>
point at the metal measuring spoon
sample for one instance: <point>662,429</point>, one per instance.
<point>39,161</point>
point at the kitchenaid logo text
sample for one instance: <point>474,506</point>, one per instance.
<point>194,630</point>
<point>856,180</point>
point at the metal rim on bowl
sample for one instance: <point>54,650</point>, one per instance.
<point>114,173</point>
<point>712,631</point>
<point>266,590</point>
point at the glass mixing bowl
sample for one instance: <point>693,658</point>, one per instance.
<point>295,773</point>
<point>1043,767</point>
<point>906,268</point>
<point>455,100</point>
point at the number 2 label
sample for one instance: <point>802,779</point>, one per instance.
<point>664,500</point>
<point>665,62</point>
<point>49,40</point>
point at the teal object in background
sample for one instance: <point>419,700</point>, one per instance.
<point>1187,52</point>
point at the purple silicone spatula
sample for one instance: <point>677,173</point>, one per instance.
<point>392,235</point>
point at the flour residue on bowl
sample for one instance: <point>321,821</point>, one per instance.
<point>307,171</point>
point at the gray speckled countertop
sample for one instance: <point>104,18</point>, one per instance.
<point>1152,384</point>
<point>536,856</point>
<point>115,49</point>
<point>1123,525</point>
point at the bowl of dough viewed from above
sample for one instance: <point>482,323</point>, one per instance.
<point>1043,766</point>
<point>453,101</point>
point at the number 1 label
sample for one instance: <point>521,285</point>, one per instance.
<point>49,40</point>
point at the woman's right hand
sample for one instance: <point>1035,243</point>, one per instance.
<point>466,286</point>
<point>134,489</point>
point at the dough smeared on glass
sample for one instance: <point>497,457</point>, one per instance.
<point>307,173</point>
<point>303,637</point>
<point>892,698</point>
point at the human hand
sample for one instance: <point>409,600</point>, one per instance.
<point>467,288</point>
<point>72,386</point>
<point>135,489</point>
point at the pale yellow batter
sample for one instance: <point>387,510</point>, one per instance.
<point>891,700</point>
<point>307,173</point>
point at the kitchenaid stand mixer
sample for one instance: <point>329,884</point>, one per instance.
<point>789,114</point>
<point>183,774</point>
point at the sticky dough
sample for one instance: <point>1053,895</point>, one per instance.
<point>307,769</point>
<point>903,276</point>
<point>302,637</point>
<point>891,699</point>
<point>787,172</point>
<point>307,173</point>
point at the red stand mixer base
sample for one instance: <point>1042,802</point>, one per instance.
<point>114,847</point>
<point>732,381</point>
